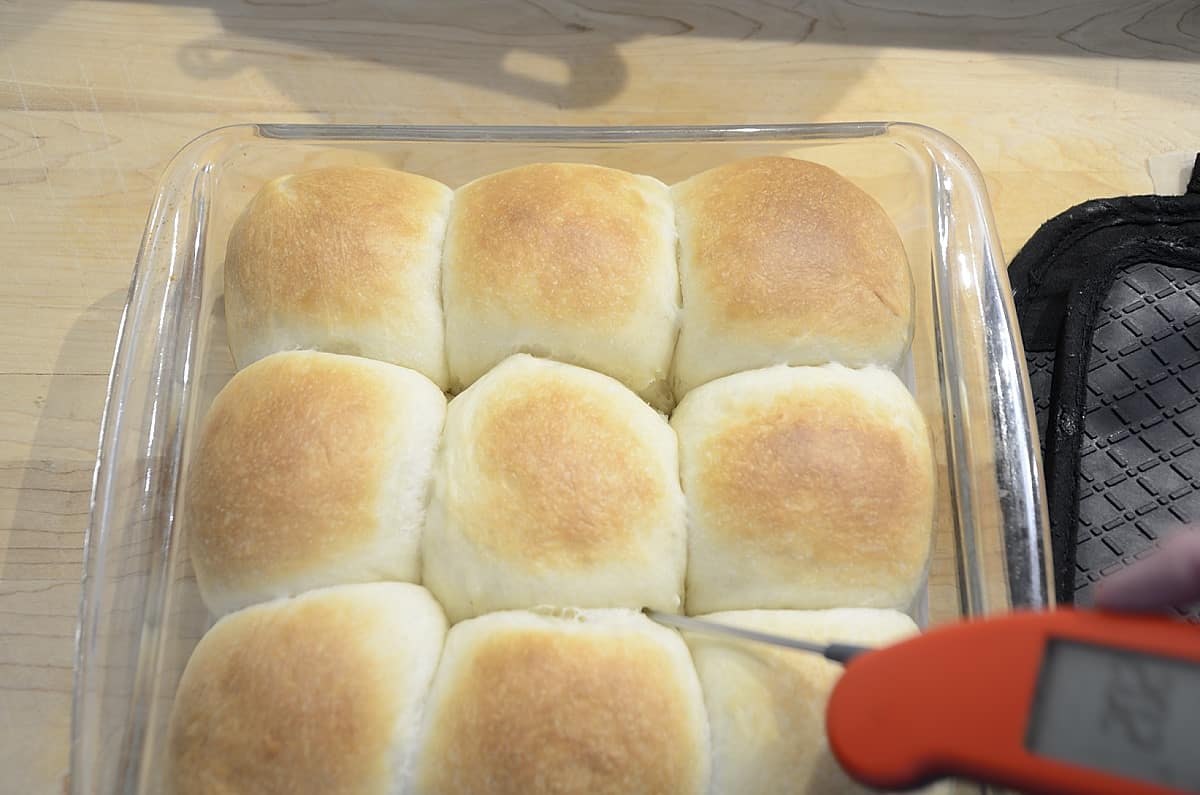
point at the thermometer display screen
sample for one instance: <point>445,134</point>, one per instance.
<point>1119,711</point>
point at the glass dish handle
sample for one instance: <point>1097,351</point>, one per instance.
<point>995,450</point>
<point>135,483</point>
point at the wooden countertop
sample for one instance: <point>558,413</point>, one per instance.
<point>1057,101</point>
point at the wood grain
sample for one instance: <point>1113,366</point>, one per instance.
<point>1057,101</point>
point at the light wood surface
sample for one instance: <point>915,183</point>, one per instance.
<point>1057,101</point>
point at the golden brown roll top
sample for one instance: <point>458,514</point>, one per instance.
<point>606,702</point>
<point>318,694</point>
<point>312,469</point>
<point>345,260</point>
<point>807,487</point>
<point>555,485</point>
<point>766,706</point>
<point>783,261</point>
<point>571,261</point>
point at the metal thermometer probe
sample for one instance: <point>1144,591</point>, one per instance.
<point>837,652</point>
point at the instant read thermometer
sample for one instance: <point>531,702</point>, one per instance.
<point>1064,702</point>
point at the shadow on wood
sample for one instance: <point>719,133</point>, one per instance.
<point>567,54</point>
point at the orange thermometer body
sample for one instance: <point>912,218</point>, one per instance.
<point>1060,703</point>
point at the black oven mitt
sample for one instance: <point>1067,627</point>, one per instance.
<point>1108,301</point>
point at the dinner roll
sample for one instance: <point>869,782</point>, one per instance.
<point>345,260</point>
<point>555,485</point>
<point>783,261</point>
<point>320,694</point>
<point>571,261</point>
<point>766,706</point>
<point>312,469</point>
<point>605,702</point>
<point>807,487</point>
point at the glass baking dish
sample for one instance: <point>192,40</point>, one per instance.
<point>141,614</point>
